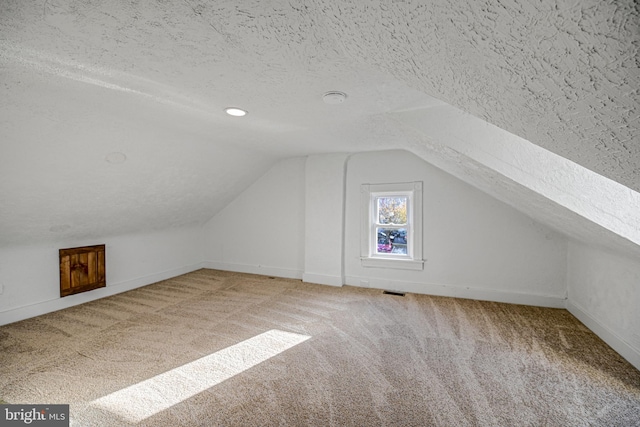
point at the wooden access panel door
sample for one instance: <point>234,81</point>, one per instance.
<point>82,269</point>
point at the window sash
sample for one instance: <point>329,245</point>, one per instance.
<point>375,224</point>
<point>369,223</point>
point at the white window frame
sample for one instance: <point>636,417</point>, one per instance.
<point>369,239</point>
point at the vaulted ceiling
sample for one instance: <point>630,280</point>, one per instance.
<point>87,84</point>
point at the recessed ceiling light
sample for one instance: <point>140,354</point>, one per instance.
<point>236,112</point>
<point>334,97</point>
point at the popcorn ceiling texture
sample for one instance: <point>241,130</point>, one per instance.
<point>82,79</point>
<point>564,75</point>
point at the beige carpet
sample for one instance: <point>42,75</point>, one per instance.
<point>213,348</point>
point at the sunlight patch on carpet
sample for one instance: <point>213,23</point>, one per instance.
<point>145,399</point>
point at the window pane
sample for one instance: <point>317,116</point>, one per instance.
<point>392,210</point>
<point>391,241</point>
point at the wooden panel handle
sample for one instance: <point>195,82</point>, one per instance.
<point>83,267</point>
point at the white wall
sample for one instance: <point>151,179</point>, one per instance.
<point>30,275</point>
<point>262,230</point>
<point>324,201</point>
<point>474,245</point>
<point>604,293</point>
<point>302,220</point>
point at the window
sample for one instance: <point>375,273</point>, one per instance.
<point>392,225</point>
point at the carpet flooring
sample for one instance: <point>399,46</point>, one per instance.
<point>214,348</point>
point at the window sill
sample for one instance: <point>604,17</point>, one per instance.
<point>400,264</point>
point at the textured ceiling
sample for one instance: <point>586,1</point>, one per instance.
<point>563,75</point>
<point>83,79</point>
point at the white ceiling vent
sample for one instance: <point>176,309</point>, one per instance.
<point>334,97</point>
<point>116,158</point>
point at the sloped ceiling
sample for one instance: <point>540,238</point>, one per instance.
<point>564,75</point>
<point>82,80</point>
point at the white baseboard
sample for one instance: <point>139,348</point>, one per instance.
<point>274,271</point>
<point>626,350</point>
<point>322,279</point>
<point>459,292</point>
<point>43,307</point>
<point>253,269</point>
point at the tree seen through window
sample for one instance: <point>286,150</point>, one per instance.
<point>392,212</point>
